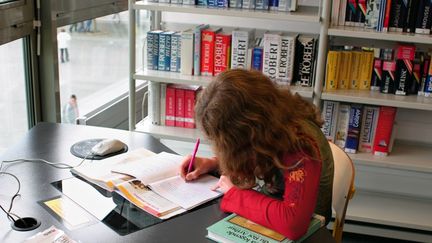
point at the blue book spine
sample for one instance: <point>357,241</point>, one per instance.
<point>150,54</point>
<point>175,52</point>
<point>197,49</point>
<point>212,3</point>
<point>428,86</point>
<point>257,58</point>
<point>167,58</point>
<point>202,3</point>
<point>222,3</point>
<point>355,118</point>
<point>153,50</point>
<point>161,57</point>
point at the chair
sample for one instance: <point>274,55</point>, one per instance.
<point>343,188</point>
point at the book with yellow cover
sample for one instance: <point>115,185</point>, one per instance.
<point>235,228</point>
<point>333,60</point>
<point>355,70</point>
<point>366,66</point>
<point>344,70</point>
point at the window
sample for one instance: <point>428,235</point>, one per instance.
<point>94,62</point>
<point>13,101</point>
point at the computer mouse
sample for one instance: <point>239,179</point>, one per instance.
<point>107,146</point>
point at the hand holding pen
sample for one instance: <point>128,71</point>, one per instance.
<point>192,166</point>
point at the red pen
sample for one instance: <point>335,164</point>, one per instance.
<point>193,155</point>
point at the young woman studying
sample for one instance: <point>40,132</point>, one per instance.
<point>260,132</point>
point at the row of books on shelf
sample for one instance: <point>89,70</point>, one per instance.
<point>176,106</point>
<point>355,127</point>
<point>278,5</point>
<point>401,71</point>
<point>412,16</point>
<point>286,58</point>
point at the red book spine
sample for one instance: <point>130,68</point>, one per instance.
<point>189,120</point>
<point>208,37</point>
<point>179,107</point>
<point>387,15</point>
<point>222,53</point>
<point>384,130</point>
<point>170,106</point>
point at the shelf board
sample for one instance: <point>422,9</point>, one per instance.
<point>403,157</point>
<point>377,98</point>
<point>303,14</point>
<point>172,133</point>
<point>364,33</point>
<point>178,78</point>
<point>388,209</point>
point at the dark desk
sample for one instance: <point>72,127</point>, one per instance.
<point>52,142</point>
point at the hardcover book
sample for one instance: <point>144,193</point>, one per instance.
<point>424,17</point>
<point>235,3</point>
<point>165,50</point>
<point>272,50</point>
<point>190,95</point>
<point>355,118</point>
<point>333,64</point>
<point>368,128</point>
<point>305,59</point>
<point>366,67</point>
<point>262,4</point>
<point>344,73</point>
<point>241,41</point>
<point>170,105</point>
<point>377,71</point>
<point>398,15</point>
<point>208,38</point>
<point>235,228</point>
<point>222,52</point>
<point>388,81</point>
<point>355,70</point>
<point>153,49</point>
<point>424,76</point>
<point>404,69</point>
<point>197,48</point>
<point>384,129</point>
<point>330,111</point>
<point>187,52</point>
<point>372,14</point>
<point>257,58</point>
<point>428,82</point>
<point>179,106</point>
<point>175,52</point>
<point>342,125</point>
<point>286,59</point>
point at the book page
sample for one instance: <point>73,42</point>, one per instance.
<point>187,194</point>
<point>153,168</point>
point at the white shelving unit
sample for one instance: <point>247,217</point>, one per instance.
<point>376,209</point>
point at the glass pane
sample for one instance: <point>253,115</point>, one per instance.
<point>94,62</point>
<point>13,103</point>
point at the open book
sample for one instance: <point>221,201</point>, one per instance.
<point>150,181</point>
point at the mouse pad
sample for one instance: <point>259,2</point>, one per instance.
<point>83,148</point>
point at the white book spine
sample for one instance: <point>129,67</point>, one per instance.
<point>187,53</point>
<point>342,12</point>
<point>368,126</point>
<point>329,113</point>
<point>162,103</point>
<point>154,103</point>
<point>240,44</point>
<point>272,50</point>
<point>286,60</point>
<point>249,59</point>
<point>342,125</point>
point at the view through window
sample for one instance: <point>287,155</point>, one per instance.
<point>94,62</point>
<point>13,102</point>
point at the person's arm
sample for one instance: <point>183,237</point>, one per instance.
<point>201,166</point>
<point>290,216</point>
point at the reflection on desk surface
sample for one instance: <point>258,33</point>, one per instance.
<point>112,209</point>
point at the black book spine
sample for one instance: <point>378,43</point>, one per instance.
<point>403,76</point>
<point>388,81</point>
<point>410,24</point>
<point>423,23</point>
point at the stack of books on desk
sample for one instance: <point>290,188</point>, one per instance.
<point>150,181</point>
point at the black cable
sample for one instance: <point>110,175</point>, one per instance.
<point>8,212</point>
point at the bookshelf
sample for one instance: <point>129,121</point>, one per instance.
<point>392,198</point>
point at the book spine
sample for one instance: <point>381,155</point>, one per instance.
<point>353,134</point>
<point>207,52</point>
<point>381,16</point>
<point>412,16</point>
<point>150,53</point>
<point>261,4</point>
<point>248,4</point>
<point>368,127</point>
<point>416,77</point>
<point>235,3</point>
<point>305,49</point>
<point>257,58</point>
<point>189,120</point>
<point>272,50</point>
<point>344,70</point>
<point>179,107</point>
<point>177,1</point>
<point>222,53</point>
<point>188,2</point>
<point>424,75</point>
<point>424,18</point>
<point>361,12</point>
<point>168,52</point>
<point>329,113</point>
<point>428,82</point>
<point>164,1</point>
<point>154,105</point>
<point>350,16</point>
<point>175,53</point>
<point>387,15</point>
<point>355,70</point>
<point>284,5</point>
<point>163,88</point>
<point>170,107</point>
<point>333,64</point>
<point>404,68</point>
<point>153,60</point>
<point>388,81</point>
<point>162,49</point>
<point>372,14</point>
<point>201,2</point>
<point>222,3</point>
<point>211,3</point>
<point>285,62</point>
<point>366,66</point>
<point>187,53</point>
<point>273,4</point>
<point>376,78</point>
<point>240,44</point>
<point>399,15</point>
<point>342,125</point>
<point>384,130</point>
<point>197,49</point>
<point>342,12</point>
